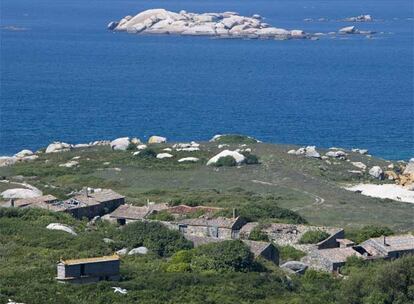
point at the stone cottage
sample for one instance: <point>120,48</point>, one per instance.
<point>88,270</point>
<point>389,247</point>
<point>125,214</point>
<point>221,227</point>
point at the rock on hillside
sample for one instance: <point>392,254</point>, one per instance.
<point>238,157</point>
<point>58,147</point>
<point>20,193</point>
<point>121,143</point>
<point>157,140</point>
<point>61,227</point>
<point>227,24</point>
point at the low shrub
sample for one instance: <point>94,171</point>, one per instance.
<point>257,234</point>
<point>226,161</point>
<point>147,153</point>
<point>367,232</point>
<point>313,237</point>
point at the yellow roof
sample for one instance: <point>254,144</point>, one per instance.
<point>91,260</point>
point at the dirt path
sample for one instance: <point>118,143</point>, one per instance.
<point>318,200</point>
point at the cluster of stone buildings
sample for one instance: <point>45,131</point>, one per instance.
<point>329,255</point>
<point>87,204</point>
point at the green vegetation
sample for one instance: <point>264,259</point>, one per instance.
<point>289,253</point>
<point>313,237</point>
<point>215,273</point>
<point>251,159</point>
<point>147,153</point>
<point>154,236</point>
<point>367,232</point>
<point>162,215</point>
<point>235,139</point>
<point>226,161</point>
<point>257,234</point>
<point>224,256</point>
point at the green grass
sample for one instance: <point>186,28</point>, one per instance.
<point>310,187</point>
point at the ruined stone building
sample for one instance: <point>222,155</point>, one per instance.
<point>221,227</point>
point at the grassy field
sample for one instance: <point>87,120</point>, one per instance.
<point>311,187</point>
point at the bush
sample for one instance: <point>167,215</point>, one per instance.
<point>161,216</point>
<point>226,161</point>
<point>270,210</point>
<point>147,153</point>
<point>250,159</point>
<point>290,253</point>
<point>218,257</point>
<point>367,232</point>
<point>154,236</point>
<point>313,237</point>
<point>131,147</point>
<point>257,234</point>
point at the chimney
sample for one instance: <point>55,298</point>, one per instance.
<point>234,213</point>
<point>85,190</point>
<point>385,242</point>
<point>12,202</point>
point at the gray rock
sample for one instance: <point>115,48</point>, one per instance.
<point>61,227</point>
<point>24,153</point>
<point>112,25</point>
<point>348,30</point>
<point>139,250</point>
<point>295,267</point>
<point>7,161</point>
<point>20,193</point>
<point>121,143</point>
<point>58,147</point>
<point>410,167</point>
<point>123,251</point>
<point>311,152</point>
<point>376,172</point>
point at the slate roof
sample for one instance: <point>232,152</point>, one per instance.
<point>96,198</point>
<point>34,200</point>
<point>220,222</point>
<point>130,212</point>
<point>184,209</point>
<point>392,243</point>
<point>257,247</point>
<point>338,255</point>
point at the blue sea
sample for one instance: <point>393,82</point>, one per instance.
<point>65,77</point>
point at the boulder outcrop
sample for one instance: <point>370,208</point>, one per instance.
<point>61,227</point>
<point>227,24</point>
<point>376,172</point>
<point>20,193</point>
<point>157,140</point>
<point>121,143</point>
<point>238,157</point>
<point>57,146</point>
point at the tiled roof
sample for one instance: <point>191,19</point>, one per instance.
<point>91,260</point>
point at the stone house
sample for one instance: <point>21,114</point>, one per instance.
<point>88,270</point>
<point>221,227</point>
<point>331,259</point>
<point>290,234</point>
<point>389,247</point>
<point>88,204</point>
<point>125,214</point>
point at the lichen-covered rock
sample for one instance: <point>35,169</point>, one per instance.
<point>164,155</point>
<point>121,143</point>
<point>157,140</point>
<point>20,193</point>
<point>188,159</point>
<point>139,250</point>
<point>61,227</point>
<point>359,165</point>
<point>58,147</point>
<point>24,153</point>
<point>7,161</point>
<point>238,157</point>
<point>295,267</point>
<point>376,172</point>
